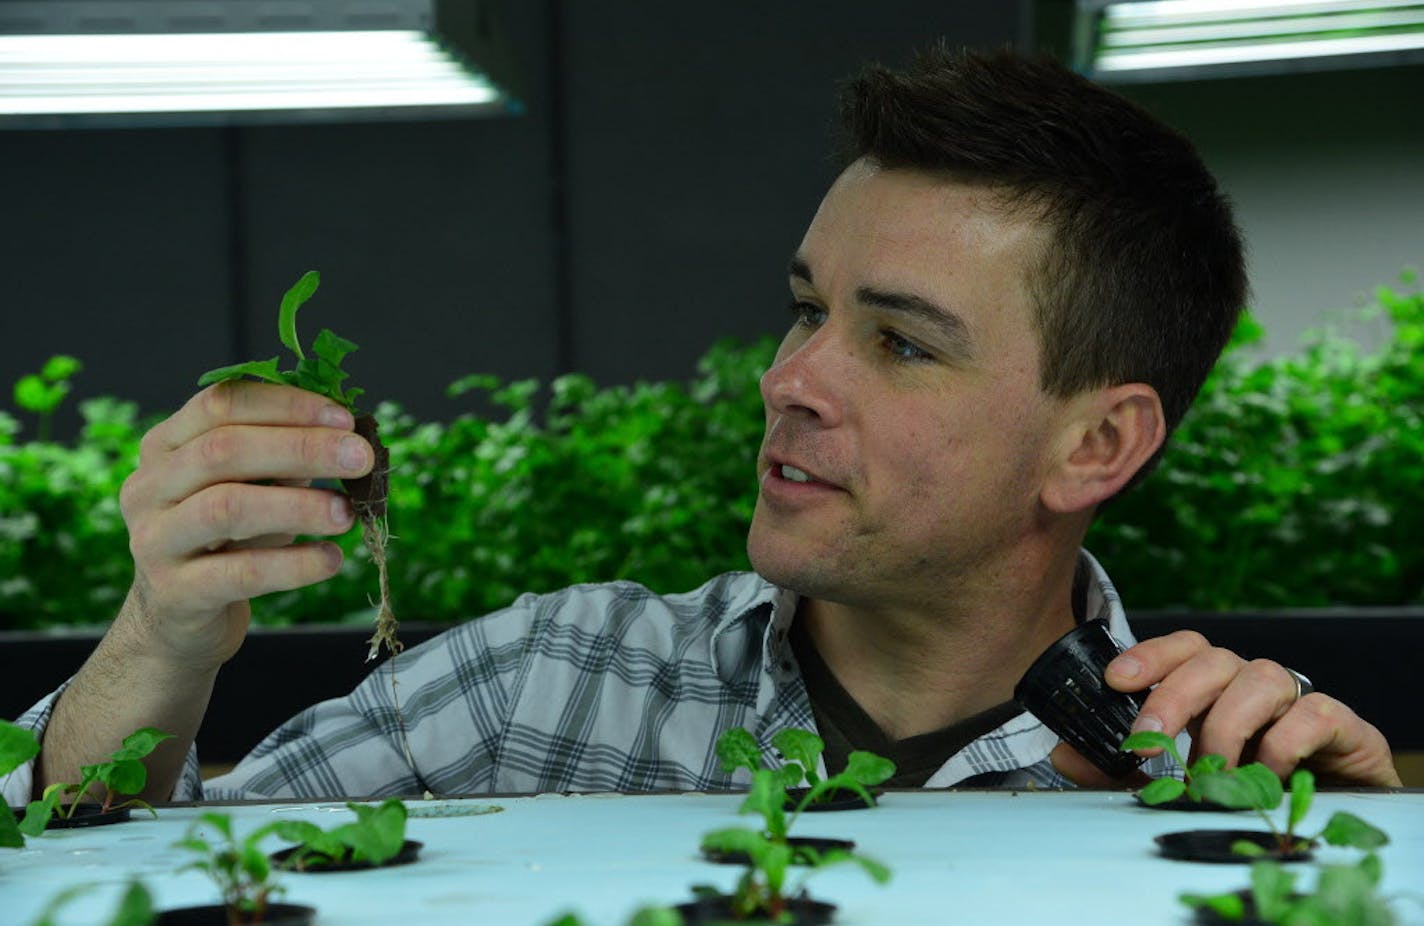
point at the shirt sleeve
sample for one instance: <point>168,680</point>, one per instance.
<point>19,784</point>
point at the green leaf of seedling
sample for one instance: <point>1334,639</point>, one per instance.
<point>262,369</point>
<point>774,863</point>
<point>141,742</point>
<point>802,747</point>
<point>38,813</point>
<point>1346,894</point>
<point>18,745</point>
<point>1372,867</point>
<point>135,907</point>
<point>33,394</point>
<point>1263,785</point>
<point>790,775</point>
<point>1226,789</point>
<point>1151,739</point>
<point>655,916</point>
<point>1302,788</point>
<point>737,748</point>
<point>127,776</point>
<point>1229,907</point>
<point>879,872</point>
<point>736,839</point>
<point>255,863</point>
<point>377,834</point>
<point>1346,829</point>
<point>841,782</point>
<point>331,347</point>
<point>1246,848</point>
<point>868,768</point>
<point>218,821</point>
<point>1271,887</point>
<point>300,292</point>
<point>1162,790</point>
<point>10,835</point>
<point>767,797</point>
<point>1206,765</point>
<point>60,367</point>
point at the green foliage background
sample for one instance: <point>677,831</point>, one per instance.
<point>1295,481</point>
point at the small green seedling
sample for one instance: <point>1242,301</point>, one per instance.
<point>135,907</point>
<point>762,890</point>
<point>801,750</point>
<point>375,837</point>
<point>1344,895</point>
<point>42,392</point>
<point>321,372</point>
<point>239,868</point>
<point>122,774</point>
<point>17,746</point>
<point>643,916</point>
<point>1255,787</point>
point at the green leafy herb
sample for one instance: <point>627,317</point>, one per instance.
<point>801,752</point>
<point>42,392</point>
<point>238,867</point>
<point>18,745</point>
<point>135,907</point>
<point>1344,895</point>
<point>321,373</point>
<point>375,837</point>
<point>122,773</point>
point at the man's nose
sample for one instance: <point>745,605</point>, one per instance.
<point>805,383</point>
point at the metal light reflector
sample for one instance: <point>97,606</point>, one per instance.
<point>242,75</point>
<point>1174,39</point>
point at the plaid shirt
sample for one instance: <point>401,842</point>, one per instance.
<point>593,688</point>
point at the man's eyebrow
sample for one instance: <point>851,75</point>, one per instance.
<point>949,325</point>
<point>799,269</point>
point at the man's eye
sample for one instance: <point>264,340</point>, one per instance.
<point>805,313</point>
<point>902,349</point>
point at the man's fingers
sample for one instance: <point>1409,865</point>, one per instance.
<point>1152,660</point>
<point>215,580</point>
<point>1071,765</point>
<point>227,515</point>
<point>1331,740</point>
<point>240,402</point>
<point>1261,692</point>
<point>1191,688</point>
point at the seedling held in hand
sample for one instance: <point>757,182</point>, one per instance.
<point>123,773</point>
<point>321,373</point>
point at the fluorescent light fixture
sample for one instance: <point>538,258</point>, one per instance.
<point>327,72</point>
<point>1177,39</point>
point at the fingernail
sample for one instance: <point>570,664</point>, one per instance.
<point>1126,666</point>
<point>1148,723</point>
<point>334,416</point>
<point>341,511</point>
<point>333,556</point>
<point>352,453</point>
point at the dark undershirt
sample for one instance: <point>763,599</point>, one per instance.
<point>845,726</point>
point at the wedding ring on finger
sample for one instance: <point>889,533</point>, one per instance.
<point>1303,685</point>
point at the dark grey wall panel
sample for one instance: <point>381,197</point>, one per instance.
<point>698,141</point>
<point>113,247</point>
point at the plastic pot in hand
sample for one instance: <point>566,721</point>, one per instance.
<point>1065,689</point>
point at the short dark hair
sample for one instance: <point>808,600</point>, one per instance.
<point>1144,277</point>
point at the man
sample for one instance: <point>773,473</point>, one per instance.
<point>1005,302</point>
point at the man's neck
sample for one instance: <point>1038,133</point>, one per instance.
<point>916,670</point>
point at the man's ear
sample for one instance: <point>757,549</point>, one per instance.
<point>1110,434</point>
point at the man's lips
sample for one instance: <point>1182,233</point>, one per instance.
<point>791,474</point>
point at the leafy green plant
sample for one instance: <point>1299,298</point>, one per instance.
<point>135,906</point>
<point>17,746</point>
<point>123,773</point>
<point>1255,787</point>
<point>239,868</point>
<point>643,916</point>
<point>762,890</point>
<point>322,374</point>
<point>376,836</point>
<point>42,392</point>
<point>801,750</point>
<point>1344,895</point>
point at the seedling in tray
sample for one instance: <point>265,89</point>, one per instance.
<point>122,774</point>
<point>321,373</point>
<point>802,749</point>
<point>376,837</point>
<point>1344,894</point>
<point>1255,787</point>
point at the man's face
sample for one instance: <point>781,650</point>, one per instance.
<point>906,435</point>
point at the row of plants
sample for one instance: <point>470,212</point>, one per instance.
<point>1296,480</point>
<point>245,874</point>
